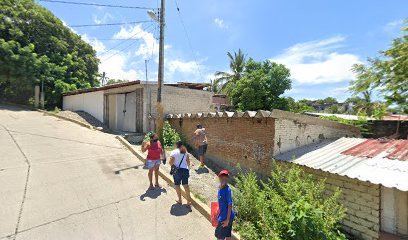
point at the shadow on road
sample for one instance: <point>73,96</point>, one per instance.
<point>153,194</point>
<point>202,170</point>
<point>179,210</point>
<point>128,168</point>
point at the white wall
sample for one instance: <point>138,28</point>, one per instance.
<point>91,103</point>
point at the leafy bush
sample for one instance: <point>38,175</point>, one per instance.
<point>361,123</point>
<point>289,205</point>
<point>170,136</point>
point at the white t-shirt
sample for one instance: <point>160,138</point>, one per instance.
<point>177,158</point>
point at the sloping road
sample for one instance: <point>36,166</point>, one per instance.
<point>62,181</point>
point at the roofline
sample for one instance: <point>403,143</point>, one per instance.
<point>96,89</point>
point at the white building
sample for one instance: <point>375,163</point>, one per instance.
<point>131,106</point>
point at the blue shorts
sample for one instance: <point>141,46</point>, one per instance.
<point>181,177</point>
<point>152,163</point>
<point>223,232</point>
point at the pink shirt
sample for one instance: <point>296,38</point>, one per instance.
<point>154,151</point>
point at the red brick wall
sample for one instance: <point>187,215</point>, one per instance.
<point>248,142</point>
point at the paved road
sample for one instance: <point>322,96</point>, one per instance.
<point>60,181</point>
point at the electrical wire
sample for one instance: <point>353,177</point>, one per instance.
<point>126,47</point>
<point>188,39</point>
<point>130,38</point>
<point>96,4</point>
<point>107,24</point>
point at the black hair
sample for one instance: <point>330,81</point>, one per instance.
<point>179,143</point>
<point>199,126</point>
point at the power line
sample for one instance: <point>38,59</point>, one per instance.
<point>107,24</point>
<point>95,4</point>
<point>130,38</point>
<point>126,47</point>
<point>188,39</point>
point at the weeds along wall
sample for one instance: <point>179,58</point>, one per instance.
<point>251,139</point>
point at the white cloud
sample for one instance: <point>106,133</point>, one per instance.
<point>114,62</point>
<point>128,64</point>
<point>182,66</point>
<point>106,17</point>
<point>393,26</point>
<point>149,45</point>
<point>317,62</point>
<point>220,23</point>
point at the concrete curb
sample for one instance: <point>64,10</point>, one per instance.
<point>197,204</point>
<point>66,118</point>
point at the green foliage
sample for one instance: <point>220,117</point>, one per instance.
<point>36,47</point>
<point>387,73</point>
<point>361,123</point>
<point>260,86</point>
<point>225,81</point>
<point>290,205</point>
<point>170,136</point>
<point>297,106</point>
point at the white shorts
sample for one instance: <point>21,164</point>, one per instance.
<point>152,163</point>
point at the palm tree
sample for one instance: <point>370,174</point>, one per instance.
<point>225,79</point>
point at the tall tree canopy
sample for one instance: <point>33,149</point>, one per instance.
<point>225,80</point>
<point>387,73</point>
<point>35,46</point>
<point>261,86</point>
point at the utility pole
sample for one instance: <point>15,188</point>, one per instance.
<point>160,110</point>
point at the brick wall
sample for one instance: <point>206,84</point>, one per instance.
<point>232,141</point>
<point>362,200</point>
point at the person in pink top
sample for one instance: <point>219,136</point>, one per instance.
<point>154,155</point>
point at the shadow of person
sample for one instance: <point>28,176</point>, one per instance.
<point>179,210</point>
<point>153,194</point>
<point>202,170</point>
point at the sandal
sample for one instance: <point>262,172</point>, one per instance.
<point>178,202</point>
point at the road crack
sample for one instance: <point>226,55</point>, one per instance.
<point>119,220</point>
<point>26,182</point>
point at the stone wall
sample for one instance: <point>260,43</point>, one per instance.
<point>362,200</point>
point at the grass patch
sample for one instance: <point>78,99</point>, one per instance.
<point>200,197</point>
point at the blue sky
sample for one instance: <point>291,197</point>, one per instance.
<point>318,40</point>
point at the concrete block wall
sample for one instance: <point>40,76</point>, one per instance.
<point>91,103</point>
<point>232,141</point>
<point>292,134</point>
<point>362,200</point>
<point>294,130</point>
<point>181,100</point>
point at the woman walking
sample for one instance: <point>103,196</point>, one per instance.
<point>180,162</point>
<point>154,155</point>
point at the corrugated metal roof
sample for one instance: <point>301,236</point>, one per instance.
<point>377,169</point>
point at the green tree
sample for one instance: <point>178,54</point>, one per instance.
<point>387,73</point>
<point>261,86</point>
<point>224,81</point>
<point>290,205</point>
<point>298,106</point>
<point>35,46</point>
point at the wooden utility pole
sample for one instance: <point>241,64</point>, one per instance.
<point>160,110</point>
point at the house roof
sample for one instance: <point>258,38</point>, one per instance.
<point>376,161</point>
<point>395,117</point>
<point>343,116</point>
<point>95,89</point>
<point>198,86</point>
